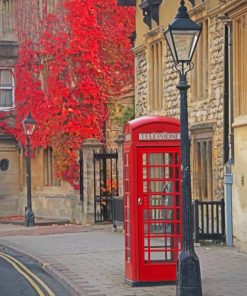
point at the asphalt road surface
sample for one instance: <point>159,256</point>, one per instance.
<point>22,276</point>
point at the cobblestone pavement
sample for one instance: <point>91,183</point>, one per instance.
<point>91,260</point>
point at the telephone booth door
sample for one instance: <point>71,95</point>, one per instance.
<point>159,217</point>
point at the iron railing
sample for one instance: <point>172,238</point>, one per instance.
<point>209,220</point>
<point>105,165</point>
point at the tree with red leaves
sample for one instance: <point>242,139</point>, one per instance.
<point>70,62</point>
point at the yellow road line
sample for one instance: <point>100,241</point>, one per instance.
<point>36,287</point>
<point>17,264</point>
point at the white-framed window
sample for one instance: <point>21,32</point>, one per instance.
<point>6,89</point>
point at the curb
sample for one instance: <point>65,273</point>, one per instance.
<point>60,277</point>
<point>38,223</point>
<point>69,285</point>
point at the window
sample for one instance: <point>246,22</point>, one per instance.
<point>6,89</point>
<point>52,5</point>
<point>156,75</point>
<point>6,18</point>
<point>49,177</point>
<point>202,166</point>
<point>240,68</point>
<point>199,75</point>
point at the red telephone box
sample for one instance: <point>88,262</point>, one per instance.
<point>152,199</point>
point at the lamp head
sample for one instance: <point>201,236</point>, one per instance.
<point>29,125</point>
<point>182,36</point>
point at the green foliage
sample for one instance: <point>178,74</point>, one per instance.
<point>120,114</point>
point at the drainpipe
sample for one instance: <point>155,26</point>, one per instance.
<point>228,178</point>
<point>228,127</point>
<point>231,92</point>
<point>226,97</point>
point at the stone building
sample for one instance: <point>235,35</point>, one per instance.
<point>52,198</point>
<point>9,149</point>
<point>217,96</point>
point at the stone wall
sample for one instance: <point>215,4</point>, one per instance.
<point>9,176</point>
<point>211,110</point>
<point>51,202</point>
<point>206,111</point>
<point>141,83</point>
<point>55,207</point>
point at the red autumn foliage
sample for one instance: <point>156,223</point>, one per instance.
<point>70,62</point>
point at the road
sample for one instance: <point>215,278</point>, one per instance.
<point>22,276</point>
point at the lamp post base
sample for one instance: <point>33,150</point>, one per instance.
<point>188,275</point>
<point>29,218</point>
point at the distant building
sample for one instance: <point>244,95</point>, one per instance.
<point>52,198</point>
<point>9,149</point>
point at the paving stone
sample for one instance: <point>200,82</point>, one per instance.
<point>93,261</point>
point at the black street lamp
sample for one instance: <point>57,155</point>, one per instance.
<point>182,37</point>
<point>29,126</point>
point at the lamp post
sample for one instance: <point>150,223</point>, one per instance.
<point>29,126</point>
<point>182,37</point>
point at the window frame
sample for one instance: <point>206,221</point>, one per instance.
<point>199,90</point>
<point>198,137</point>
<point>239,68</point>
<point>6,108</point>
<point>156,73</point>
<point>49,177</point>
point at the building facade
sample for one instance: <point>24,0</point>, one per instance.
<point>216,99</point>
<point>9,149</point>
<point>52,198</point>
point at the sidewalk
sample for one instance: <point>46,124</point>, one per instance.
<point>91,259</point>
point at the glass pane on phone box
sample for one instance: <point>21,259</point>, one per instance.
<point>161,200</point>
<point>160,158</point>
<point>164,228</point>
<point>144,186</point>
<point>160,172</point>
<point>144,173</point>
<point>161,214</point>
<point>161,256</point>
<point>144,159</point>
<point>162,242</point>
<point>146,256</point>
<point>161,186</point>
<point>146,214</point>
<point>126,173</point>
<point>157,256</point>
<point>145,228</point>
